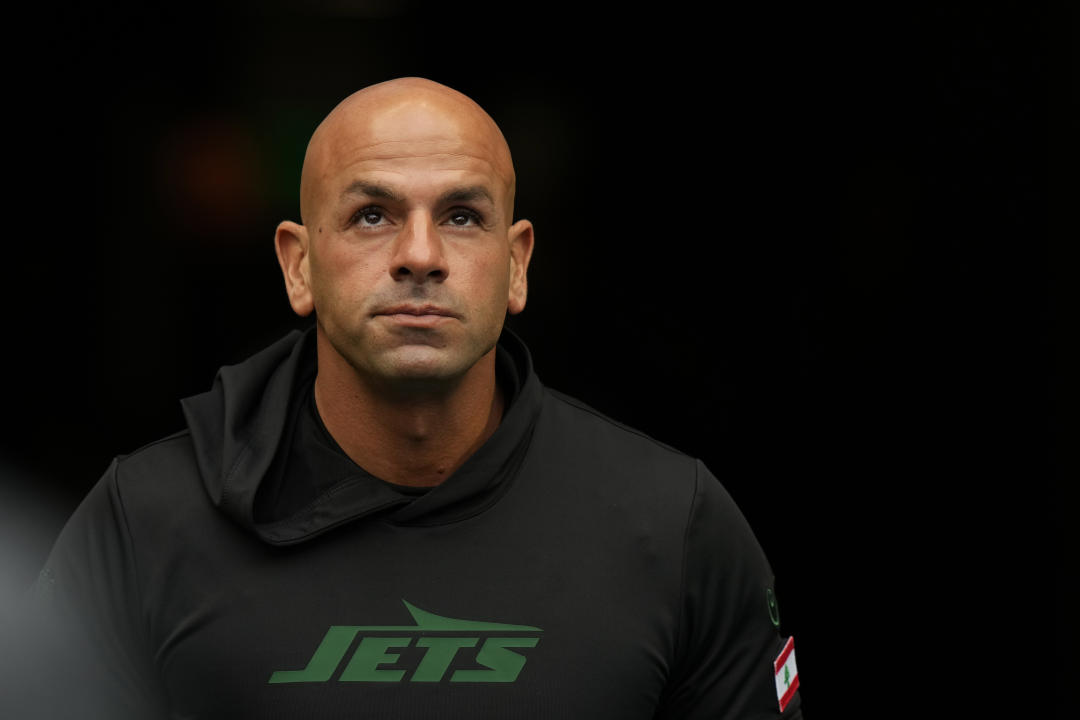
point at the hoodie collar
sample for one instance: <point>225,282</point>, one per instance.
<point>247,441</point>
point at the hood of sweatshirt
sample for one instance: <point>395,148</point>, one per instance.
<point>243,432</point>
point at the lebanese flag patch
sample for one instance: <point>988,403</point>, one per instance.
<point>786,674</point>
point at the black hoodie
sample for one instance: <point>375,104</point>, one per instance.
<point>247,568</point>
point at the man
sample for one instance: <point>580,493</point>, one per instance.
<point>388,516</point>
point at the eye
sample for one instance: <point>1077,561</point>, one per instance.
<point>464,217</point>
<point>369,217</point>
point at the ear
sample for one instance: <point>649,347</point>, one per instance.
<point>291,243</point>
<point>521,247</point>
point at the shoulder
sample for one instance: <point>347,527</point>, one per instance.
<point>159,484</point>
<point>138,490</point>
<point>614,458</point>
<point>589,424</point>
<point>624,460</point>
<point>164,463</point>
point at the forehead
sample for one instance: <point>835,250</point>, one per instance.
<point>413,164</point>
<point>408,142</point>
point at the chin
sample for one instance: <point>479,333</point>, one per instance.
<point>414,367</point>
<point>423,364</point>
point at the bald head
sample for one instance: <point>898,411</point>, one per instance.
<point>408,254</point>
<point>399,119</point>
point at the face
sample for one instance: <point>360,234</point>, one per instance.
<point>411,261</point>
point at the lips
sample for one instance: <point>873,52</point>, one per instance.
<point>416,317</point>
<point>417,311</point>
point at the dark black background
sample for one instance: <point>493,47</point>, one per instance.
<point>807,244</point>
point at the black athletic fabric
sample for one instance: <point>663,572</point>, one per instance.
<point>572,568</point>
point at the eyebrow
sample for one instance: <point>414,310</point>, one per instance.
<point>467,194</point>
<point>472,193</point>
<point>362,187</point>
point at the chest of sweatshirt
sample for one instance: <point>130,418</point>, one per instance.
<point>582,545</point>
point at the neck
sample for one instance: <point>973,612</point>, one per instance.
<point>417,440</point>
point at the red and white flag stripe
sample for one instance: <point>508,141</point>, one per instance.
<point>786,674</point>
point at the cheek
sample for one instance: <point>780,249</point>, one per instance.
<point>339,277</point>
<point>488,279</point>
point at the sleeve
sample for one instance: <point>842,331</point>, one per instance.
<point>726,640</point>
<point>82,639</point>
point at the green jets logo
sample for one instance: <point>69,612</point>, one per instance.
<point>440,640</point>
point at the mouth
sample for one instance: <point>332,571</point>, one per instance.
<point>417,315</point>
<point>416,310</point>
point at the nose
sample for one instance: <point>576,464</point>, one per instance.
<point>418,251</point>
